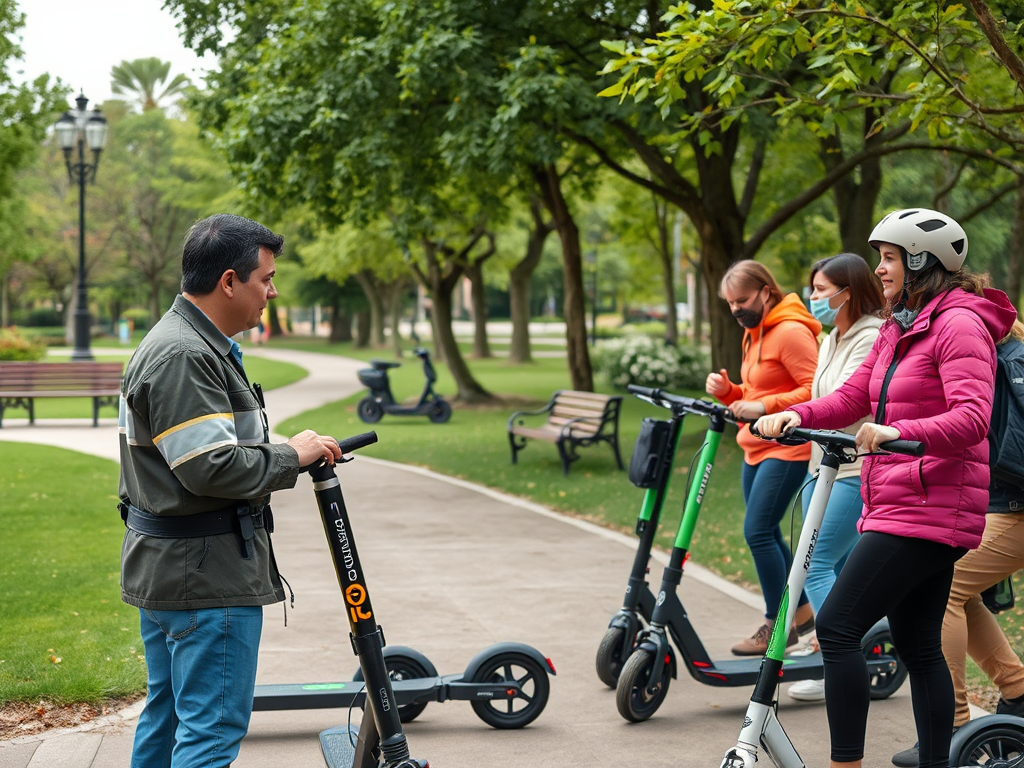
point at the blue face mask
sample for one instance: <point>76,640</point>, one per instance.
<point>823,312</point>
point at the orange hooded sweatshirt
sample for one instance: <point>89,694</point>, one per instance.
<point>779,360</point>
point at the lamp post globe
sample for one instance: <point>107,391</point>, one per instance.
<point>74,130</point>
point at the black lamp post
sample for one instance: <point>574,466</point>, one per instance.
<point>80,126</point>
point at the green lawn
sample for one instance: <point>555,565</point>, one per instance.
<point>66,634</point>
<point>269,373</point>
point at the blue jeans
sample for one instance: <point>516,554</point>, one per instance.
<point>836,538</point>
<point>202,672</point>
<point>768,489</point>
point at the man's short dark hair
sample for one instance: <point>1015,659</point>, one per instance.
<point>219,243</point>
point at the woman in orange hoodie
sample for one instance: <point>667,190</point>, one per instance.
<point>780,355</point>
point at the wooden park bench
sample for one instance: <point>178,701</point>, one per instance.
<point>22,383</point>
<point>575,420</point>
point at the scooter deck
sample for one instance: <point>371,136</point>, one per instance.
<point>744,671</point>
<point>331,695</point>
<point>414,691</point>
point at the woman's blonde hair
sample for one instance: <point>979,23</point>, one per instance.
<point>751,276</point>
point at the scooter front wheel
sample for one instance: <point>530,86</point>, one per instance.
<point>526,706</point>
<point>440,411</point>
<point>632,698</point>
<point>369,410</point>
<point>609,660</point>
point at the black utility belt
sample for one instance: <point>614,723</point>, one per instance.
<point>242,519</point>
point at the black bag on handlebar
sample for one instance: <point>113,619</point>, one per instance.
<point>647,465</point>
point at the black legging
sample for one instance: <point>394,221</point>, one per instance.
<point>907,580</point>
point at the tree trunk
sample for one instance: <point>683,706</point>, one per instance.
<point>275,320</point>
<point>854,199</point>
<point>154,303</point>
<point>376,330</point>
<point>519,284</point>
<point>362,329</point>
<point>341,325</point>
<point>445,268</point>
<point>5,300</point>
<point>478,302</point>
<point>395,307</point>
<point>581,373</point>
<point>668,274</point>
<point>1015,258</point>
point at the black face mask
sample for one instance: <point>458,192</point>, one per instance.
<point>749,318</point>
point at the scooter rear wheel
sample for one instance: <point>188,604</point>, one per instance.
<point>631,697</point>
<point>369,410</point>
<point>878,644</point>
<point>440,411</point>
<point>401,667</point>
<point>990,747</point>
<point>534,688</point>
<point>609,660</point>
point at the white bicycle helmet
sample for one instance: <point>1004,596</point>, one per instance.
<point>919,232</point>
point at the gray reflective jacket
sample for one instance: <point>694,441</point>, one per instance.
<point>194,439</point>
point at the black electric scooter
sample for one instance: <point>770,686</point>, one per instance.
<point>380,401</point>
<point>506,684</point>
<point>650,659</point>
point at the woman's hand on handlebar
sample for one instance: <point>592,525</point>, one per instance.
<point>871,436</point>
<point>777,423</point>
<point>313,448</point>
<point>718,384</point>
<point>747,410</point>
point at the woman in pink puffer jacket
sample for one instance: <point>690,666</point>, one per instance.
<point>929,377</point>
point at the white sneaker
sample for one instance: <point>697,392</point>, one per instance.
<point>808,690</point>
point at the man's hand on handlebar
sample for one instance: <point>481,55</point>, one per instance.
<point>312,448</point>
<point>774,425</point>
<point>871,436</point>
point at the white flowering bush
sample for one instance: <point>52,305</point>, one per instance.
<point>647,362</point>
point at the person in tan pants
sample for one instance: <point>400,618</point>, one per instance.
<point>969,628</point>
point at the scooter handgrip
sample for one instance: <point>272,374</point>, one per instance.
<point>908,447</point>
<point>356,442</point>
<point>641,391</point>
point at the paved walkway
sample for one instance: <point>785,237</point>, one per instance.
<point>452,568</point>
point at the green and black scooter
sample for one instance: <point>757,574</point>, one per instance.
<point>650,652</point>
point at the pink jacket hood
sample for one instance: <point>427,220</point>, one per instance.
<point>941,379</point>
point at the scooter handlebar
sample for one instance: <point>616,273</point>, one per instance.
<point>834,438</point>
<point>348,445</point>
<point>665,399</point>
<point>356,442</point>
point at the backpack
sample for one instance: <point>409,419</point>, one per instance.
<point>1006,440</point>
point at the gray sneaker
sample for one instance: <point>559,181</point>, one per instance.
<point>908,758</point>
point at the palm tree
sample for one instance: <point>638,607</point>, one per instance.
<point>142,77</point>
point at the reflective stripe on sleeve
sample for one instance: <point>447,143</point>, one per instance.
<point>195,437</point>
<point>249,427</point>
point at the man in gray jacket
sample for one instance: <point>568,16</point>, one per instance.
<point>197,469</point>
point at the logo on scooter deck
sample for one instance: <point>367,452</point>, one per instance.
<point>324,687</point>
